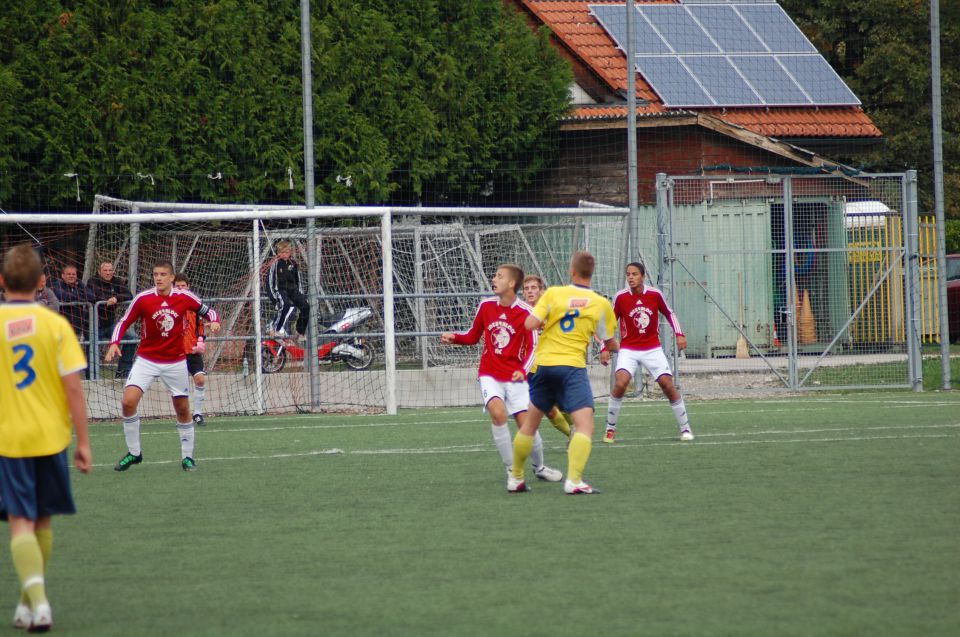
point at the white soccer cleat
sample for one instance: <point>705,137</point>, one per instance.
<point>686,434</point>
<point>578,488</point>
<point>22,617</point>
<point>516,485</point>
<point>42,619</point>
<point>548,474</point>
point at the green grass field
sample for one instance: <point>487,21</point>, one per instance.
<point>814,515</point>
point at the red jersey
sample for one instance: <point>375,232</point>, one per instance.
<point>162,321</point>
<point>507,344</point>
<point>639,316</point>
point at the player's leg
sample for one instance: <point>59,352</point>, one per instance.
<point>656,362</point>
<point>142,375</point>
<point>195,370</point>
<point>559,421</point>
<point>286,311</point>
<point>494,394</point>
<point>677,405</point>
<point>518,400</point>
<point>541,400</point>
<point>577,400</point>
<point>175,377</point>
<point>626,367</point>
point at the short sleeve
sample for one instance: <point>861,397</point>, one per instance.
<point>70,357</point>
<point>608,323</point>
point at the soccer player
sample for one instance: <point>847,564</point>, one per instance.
<point>194,346</point>
<point>533,289</point>
<point>286,290</point>
<point>41,393</point>
<point>570,316</point>
<point>507,354</point>
<point>161,311</point>
<point>638,308</point>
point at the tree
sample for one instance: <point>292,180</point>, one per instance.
<point>881,48</point>
<point>414,100</point>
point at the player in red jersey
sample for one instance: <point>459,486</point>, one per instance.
<point>507,356</point>
<point>638,308</point>
<point>161,311</point>
<point>194,345</point>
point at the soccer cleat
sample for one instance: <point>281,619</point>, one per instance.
<point>610,436</point>
<point>42,620</point>
<point>548,474</point>
<point>516,485</point>
<point>578,488</point>
<point>198,420</point>
<point>188,464</point>
<point>22,617</point>
<point>127,460</point>
<point>686,434</point>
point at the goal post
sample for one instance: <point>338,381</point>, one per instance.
<point>389,280</point>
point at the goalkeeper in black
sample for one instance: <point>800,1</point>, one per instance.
<point>286,291</point>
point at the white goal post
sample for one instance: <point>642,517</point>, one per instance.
<point>407,274</point>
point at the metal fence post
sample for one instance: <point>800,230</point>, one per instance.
<point>791,283</point>
<point>912,280</point>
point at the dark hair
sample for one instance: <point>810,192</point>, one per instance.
<point>583,264</point>
<point>639,266</point>
<point>22,268</point>
<point>516,272</point>
<point>163,264</point>
<point>181,276</point>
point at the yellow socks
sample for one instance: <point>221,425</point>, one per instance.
<point>28,561</point>
<point>45,541</point>
<point>561,423</point>
<point>522,447</point>
<point>577,455</point>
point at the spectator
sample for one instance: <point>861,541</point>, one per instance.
<point>45,295</point>
<point>69,290</point>
<point>112,290</point>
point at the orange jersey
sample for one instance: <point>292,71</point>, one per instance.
<point>192,329</point>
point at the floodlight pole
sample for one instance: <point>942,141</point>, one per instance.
<point>310,358</point>
<point>938,189</point>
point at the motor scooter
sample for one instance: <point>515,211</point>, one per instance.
<point>355,352</point>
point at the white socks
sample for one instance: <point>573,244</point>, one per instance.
<point>198,395</point>
<point>536,456</point>
<point>185,429</point>
<point>680,413</point>
<point>504,443</point>
<point>613,411</point>
<point>131,431</point>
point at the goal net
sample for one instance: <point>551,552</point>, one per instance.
<point>376,346</point>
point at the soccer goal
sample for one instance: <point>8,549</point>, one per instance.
<point>387,282</point>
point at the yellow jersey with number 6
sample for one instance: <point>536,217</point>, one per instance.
<point>37,348</point>
<point>571,315</point>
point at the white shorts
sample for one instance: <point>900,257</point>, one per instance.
<point>516,396</point>
<point>654,360</point>
<point>173,375</point>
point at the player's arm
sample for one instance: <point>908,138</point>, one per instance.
<point>470,337</point>
<point>210,315</point>
<point>529,347</point>
<point>129,317</point>
<point>674,322</point>
<point>73,387</point>
<point>540,311</point>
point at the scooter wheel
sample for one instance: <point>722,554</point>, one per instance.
<point>365,360</point>
<point>273,362</point>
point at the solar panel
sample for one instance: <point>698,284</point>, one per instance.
<point>726,53</point>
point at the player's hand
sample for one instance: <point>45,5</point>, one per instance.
<point>112,352</point>
<point>604,357</point>
<point>447,338</point>
<point>112,300</point>
<point>214,327</point>
<point>200,347</point>
<point>83,458</point>
<point>517,377</point>
<point>681,343</point>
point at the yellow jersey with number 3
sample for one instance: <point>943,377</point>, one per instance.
<point>571,315</point>
<point>37,348</point>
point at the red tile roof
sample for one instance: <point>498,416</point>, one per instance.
<point>579,32</point>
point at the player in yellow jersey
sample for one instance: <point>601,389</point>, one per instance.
<point>570,316</point>
<point>40,367</point>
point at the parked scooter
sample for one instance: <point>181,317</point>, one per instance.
<point>355,352</point>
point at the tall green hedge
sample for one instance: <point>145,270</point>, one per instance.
<point>414,100</point>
